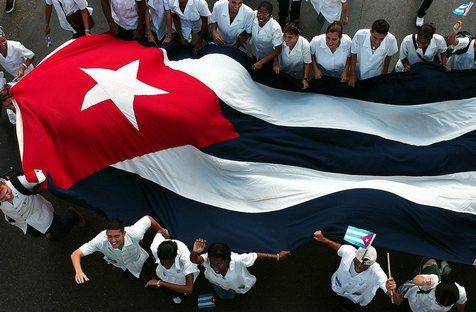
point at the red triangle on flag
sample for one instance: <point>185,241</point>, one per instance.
<point>368,239</point>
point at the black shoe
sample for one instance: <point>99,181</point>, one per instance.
<point>10,5</point>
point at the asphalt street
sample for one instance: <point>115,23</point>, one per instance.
<point>36,274</point>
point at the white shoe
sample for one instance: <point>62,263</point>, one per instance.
<point>419,21</point>
<point>177,300</point>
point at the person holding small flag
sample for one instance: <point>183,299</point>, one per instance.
<point>462,46</point>
<point>358,276</point>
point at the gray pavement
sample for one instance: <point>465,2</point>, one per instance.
<point>36,274</point>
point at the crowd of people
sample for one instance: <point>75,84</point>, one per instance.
<point>277,46</point>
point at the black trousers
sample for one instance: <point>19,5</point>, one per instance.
<point>284,10</point>
<point>60,226</point>
<point>423,7</point>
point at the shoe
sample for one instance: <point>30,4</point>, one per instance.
<point>81,221</point>
<point>419,21</point>
<point>177,300</point>
<point>10,5</point>
<point>445,268</point>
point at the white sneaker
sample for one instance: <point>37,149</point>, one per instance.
<point>419,21</point>
<point>177,300</point>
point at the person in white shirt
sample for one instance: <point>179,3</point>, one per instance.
<point>73,16</point>
<point>430,291</point>
<point>424,46</point>
<point>190,16</point>
<point>295,58</point>
<point>231,22</point>
<point>266,37</point>
<point>14,57</point>
<point>158,25</point>
<point>329,11</point>
<point>119,245</point>
<point>227,271</point>
<point>358,276</point>
<point>331,53</point>
<point>125,17</point>
<point>462,56</point>
<point>31,212</point>
<point>371,52</point>
<point>175,271</point>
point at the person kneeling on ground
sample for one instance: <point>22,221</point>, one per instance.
<point>227,271</point>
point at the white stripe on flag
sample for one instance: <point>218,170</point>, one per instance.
<point>357,232</point>
<point>411,124</point>
<point>263,187</point>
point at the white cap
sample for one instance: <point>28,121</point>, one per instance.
<point>366,256</point>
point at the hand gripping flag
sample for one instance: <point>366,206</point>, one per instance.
<point>359,237</point>
<point>118,127</point>
<point>463,9</point>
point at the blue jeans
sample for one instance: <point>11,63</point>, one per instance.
<point>224,294</point>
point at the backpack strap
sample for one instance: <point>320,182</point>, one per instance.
<point>22,189</point>
<point>416,48</point>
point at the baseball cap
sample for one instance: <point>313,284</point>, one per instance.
<point>366,256</point>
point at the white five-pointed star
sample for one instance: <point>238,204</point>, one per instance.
<point>120,86</point>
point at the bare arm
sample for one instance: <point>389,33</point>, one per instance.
<point>406,64</point>
<point>141,9</point>
<point>183,289</point>
<point>160,229</point>
<point>178,29</point>
<point>451,39</point>
<point>79,277</point>
<point>319,236</point>
<point>198,248</point>
<point>386,63</point>
<point>460,307</point>
<point>315,68</point>
<point>106,9</point>
<point>352,73</point>
<point>344,17</point>
<point>85,18</point>
<point>270,57</point>
<point>203,33</point>
<point>48,9</point>
<point>242,38</point>
<point>283,254</point>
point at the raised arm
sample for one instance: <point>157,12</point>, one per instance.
<point>451,39</point>
<point>160,229</point>
<point>318,236</point>
<point>198,248</point>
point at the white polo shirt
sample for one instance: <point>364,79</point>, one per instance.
<point>360,287</point>
<point>190,18</point>
<point>17,54</point>
<point>243,21</point>
<point>330,9</point>
<point>32,210</point>
<point>331,61</point>
<point>182,265</point>
<point>157,14</point>
<point>407,50</point>
<point>125,13</point>
<point>293,61</point>
<point>426,302</point>
<point>265,39</point>
<point>370,62</point>
<point>70,6</point>
<point>237,278</point>
<point>131,257</point>
<point>465,60</point>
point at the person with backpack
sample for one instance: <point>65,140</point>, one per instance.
<point>424,46</point>
<point>430,291</point>
<point>461,48</point>
<point>24,208</point>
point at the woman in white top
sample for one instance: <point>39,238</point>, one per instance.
<point>175,271</point>
<point>266,37</point>
<point>423,46</point>
<point>14,57</point>
<point>227,271</point>
<point>295,58</point>
<point>331,53</point>
<point>158,24</point>
<point>463,56</point>
<point>190,16</point>
<point>231,22</point>
<point>73,16</point>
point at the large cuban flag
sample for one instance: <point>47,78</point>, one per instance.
<point>119,128</point>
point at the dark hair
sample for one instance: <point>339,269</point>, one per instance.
<point>167,250</point>
<point>267,5</point>
<point>446,292</point>
<point>380,26</point>
<point>426,31</point>
<point>219,250</point>
<point>336,26</point>
<point>115,224</point>
<point>292,28</point>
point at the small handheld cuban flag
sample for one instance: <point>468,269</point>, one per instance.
<point>359,237</point>
<point>463,9</point>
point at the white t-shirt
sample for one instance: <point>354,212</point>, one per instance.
<point>465,60</point>
<point>370,62</point>
<point>331,61</point>
<point>17,54</point>
<point>190,18</point>
<point>360,287</point>
<point>131,257</point>
<point>125,13</point>
<point>32,210</point>
<point>407,50</point>
<point>182,265</point>
<point>426,302</point>
<point>292,61</point>
<point>265,39</point>
<point>242,22</point>
<point>330,9</point>
<point>70,6</point>
<point>238,277</point>
<point>157,14</point>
